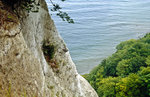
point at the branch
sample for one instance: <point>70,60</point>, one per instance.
<point>63,15</point>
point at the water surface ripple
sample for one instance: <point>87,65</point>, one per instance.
<point>99,26</point>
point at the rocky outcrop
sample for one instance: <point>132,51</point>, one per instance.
<point>25,70</point>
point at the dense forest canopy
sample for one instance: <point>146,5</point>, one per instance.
<point>126,73</point>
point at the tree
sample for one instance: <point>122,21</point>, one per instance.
<point>33,6</point>
<point>123,67</point>
<point>144,74</point>
<point>148,60</point>
<point>63,15</point>
<point>107,87</point>
<point>129,86</point>
<point>126,73</point>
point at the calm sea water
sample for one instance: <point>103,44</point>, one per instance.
<point>99,26</point>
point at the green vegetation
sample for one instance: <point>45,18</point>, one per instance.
<point>49,50</point>
<point>126,73</point>
<point>63,15</point>
<point>29,5</point>
<point>33,6</point>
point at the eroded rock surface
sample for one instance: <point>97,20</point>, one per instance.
<point>23,67</point>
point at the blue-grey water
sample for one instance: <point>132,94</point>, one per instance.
<point>99,26</point>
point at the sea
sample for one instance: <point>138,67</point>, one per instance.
<point>100,25</point>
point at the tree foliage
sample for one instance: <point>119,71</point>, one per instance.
<point>63,15</point>
<point>126,73</point>
<point>33,6</point>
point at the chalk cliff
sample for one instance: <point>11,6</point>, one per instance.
<point>24,69</point>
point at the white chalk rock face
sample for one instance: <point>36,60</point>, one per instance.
<point>24,68</point>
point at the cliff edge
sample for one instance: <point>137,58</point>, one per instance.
<point>34,60</point>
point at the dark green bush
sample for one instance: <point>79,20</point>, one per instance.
<point>49,50</point>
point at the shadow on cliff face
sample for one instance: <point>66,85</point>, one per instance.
<point>28,5</point>
<point>49,53</point>
<point>7,16</point>
<point>10,2</point>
